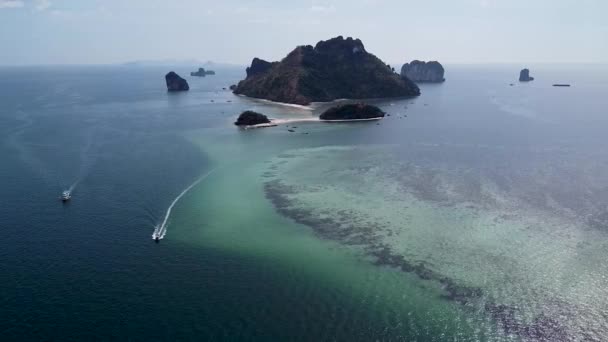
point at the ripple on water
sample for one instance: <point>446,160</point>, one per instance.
<point>533,267</point>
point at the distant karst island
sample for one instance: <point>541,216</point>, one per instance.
<point>352,112</point>
<point>420,71</point>
<point>334,69</point>
<point>175,82</point>
<point>524,76</point>
<point>202,72</point>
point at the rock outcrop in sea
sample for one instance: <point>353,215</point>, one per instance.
<point>524,76</point>
<point>419,71</point>
<point>356,111</point>
<point>334,69</point>
<point>250,118</point>
<point>202,72</point>
<point>175,82</point>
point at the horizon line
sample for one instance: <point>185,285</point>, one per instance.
<point>228,64</point>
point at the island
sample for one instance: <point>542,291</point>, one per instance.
<point>337,68</point>
<point>351,112</point>
<point>259,66</point>
<point>175,82</point>
<point>202,72</point>
<point>420,71</point>
<point>524,76</point>
<point>251,118</point>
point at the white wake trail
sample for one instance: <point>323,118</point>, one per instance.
<point>161,230</point>
<point>73,186</point>
<point>85,160</point>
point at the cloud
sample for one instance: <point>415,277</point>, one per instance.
<point>11,3</point>
<point>322,9</point>
<point>487,3</point>
<point>258,21</point>
<point>41,5</point>
<point>60,13</point>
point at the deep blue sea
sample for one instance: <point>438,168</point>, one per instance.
<point>489,202</point>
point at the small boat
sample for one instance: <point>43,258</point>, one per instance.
<point>66,196</point>
<point>156,239</point>
<point>561,85</point>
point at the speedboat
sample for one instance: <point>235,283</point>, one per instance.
<point>66,196</point>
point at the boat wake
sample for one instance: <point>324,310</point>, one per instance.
<point>16,140</point>
<point>160,230</point>
<point>73,186</point>
<point>87,159</point>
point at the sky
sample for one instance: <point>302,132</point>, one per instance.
<point>235,31</point>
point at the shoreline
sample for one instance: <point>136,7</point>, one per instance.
<point>315,105</point>
<point>277,122</point>
<point>283,104</point>
<point>353,120</point>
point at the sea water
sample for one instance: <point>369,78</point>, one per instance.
<point>477,211</point>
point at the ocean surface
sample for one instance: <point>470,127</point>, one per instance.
<point>475,212</point>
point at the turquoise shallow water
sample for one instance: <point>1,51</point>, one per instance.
<point>474,212</point>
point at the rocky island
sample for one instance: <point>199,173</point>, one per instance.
<point>348,112</point>
<point>202,72</point>
<point>334,69</point>
<point>524,76</point>
<point>419,71</point>
<point>175,82</point>
<point>250,118</point>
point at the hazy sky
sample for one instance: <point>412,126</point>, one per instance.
<point>452,31</point>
